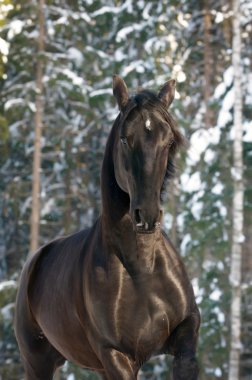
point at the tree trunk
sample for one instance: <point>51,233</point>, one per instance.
<point>237,233</point>
<point>207,63</point>
<point>35,215</point>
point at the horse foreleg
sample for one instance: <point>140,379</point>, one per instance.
<point>118,366</point>
<point>185,365</point>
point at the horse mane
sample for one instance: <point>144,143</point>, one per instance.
<point>150,101</point>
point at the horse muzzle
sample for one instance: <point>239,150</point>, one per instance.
<point>146,220</point>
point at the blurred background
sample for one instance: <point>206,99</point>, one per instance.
<point>57,58</point>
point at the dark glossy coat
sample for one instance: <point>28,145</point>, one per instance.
<point>110,297</point>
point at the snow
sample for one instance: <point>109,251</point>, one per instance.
<point>13,103</point>
<point>218,372</point>
<point>168,220</point>
<point>75,55</point>
<point>247,128</point>
<point>228,100</point>
<point>16,27</point>
<point>199,293</point>
<point>32,106</point>
<point>196,209</point>
<point>77,80</point>
<point>137,65</point>
<point>146,11</point>
<point>103,91</point>
<point>71,377</point>
<point>228,76</point>
<point>236,175</point>
<point>190,183</point>
<point>123,33</point>
<point>119,55</point>
<point>49,205</point>
<point>106,9</point>
<point>7,284</point>
<point>209,156</point>
<point>219,314</point>
<point>181,77</point>
<point>218,188</point>
<point>199,142</point>
<point>7,311</point>
<point>222,208</point>
<point>185,241</point>
<point>25,205</point>
<point>215,295</point>
<point>239,238</point>
<point>219,91</point>
<point>182,21</point>
<point>4,47</point>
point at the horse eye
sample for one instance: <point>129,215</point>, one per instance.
<point>124,140</point>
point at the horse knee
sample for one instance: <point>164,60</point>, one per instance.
<point>185,368</point>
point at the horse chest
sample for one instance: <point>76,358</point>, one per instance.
<point>135,314</point>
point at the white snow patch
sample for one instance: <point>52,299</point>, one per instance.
<point>240,238</point>
<point>48,207</point>
<point>181,221</point>
<point>4,47</point>
<point>220,315</point>
<point>199,293</point>
<point>218,372</point>
<point>218,188</point>
<point>220,265</point>
<point>236,175</point>
<point>7,311</point>
<point>196,209</point>
<point>119,55</point>
<point>13,103</point>
<point>247,127</point>
<point>101,92</point>
<point>71,377</point>
<point>186,240</point>
<point>168,220</point>
<point>190,183</point>
<point>228,100</point>
<point>16,27</point>
<point>209,156</point>
<point>215,295</point>
<point>229,76</point>
<point>123,33</point>
<point>7,284</point>
<point>181,77</point>
<point>220,90</point>
<point>32,106</point>
<point>199,142</point>
<point>75,55</point>
<point>25,205</point>
<point>222,208</point>
<point>74,77</point>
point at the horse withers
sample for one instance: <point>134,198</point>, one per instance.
<point>110,297</point>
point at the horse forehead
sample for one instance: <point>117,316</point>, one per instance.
<point>151,119</point>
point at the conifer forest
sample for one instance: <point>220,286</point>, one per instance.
<point>57,60</point>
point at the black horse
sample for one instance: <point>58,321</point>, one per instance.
<point>110,297</point>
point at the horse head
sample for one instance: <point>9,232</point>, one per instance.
<point>145,144</point>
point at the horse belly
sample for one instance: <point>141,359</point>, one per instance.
<point>65,332</point>
<point>62,327</point>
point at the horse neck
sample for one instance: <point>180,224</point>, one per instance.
<point>135,250</point>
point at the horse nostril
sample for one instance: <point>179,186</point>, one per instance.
<point>138,216</point>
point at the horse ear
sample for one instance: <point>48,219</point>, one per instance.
<point>167,92</point>
<point>120,91</point>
